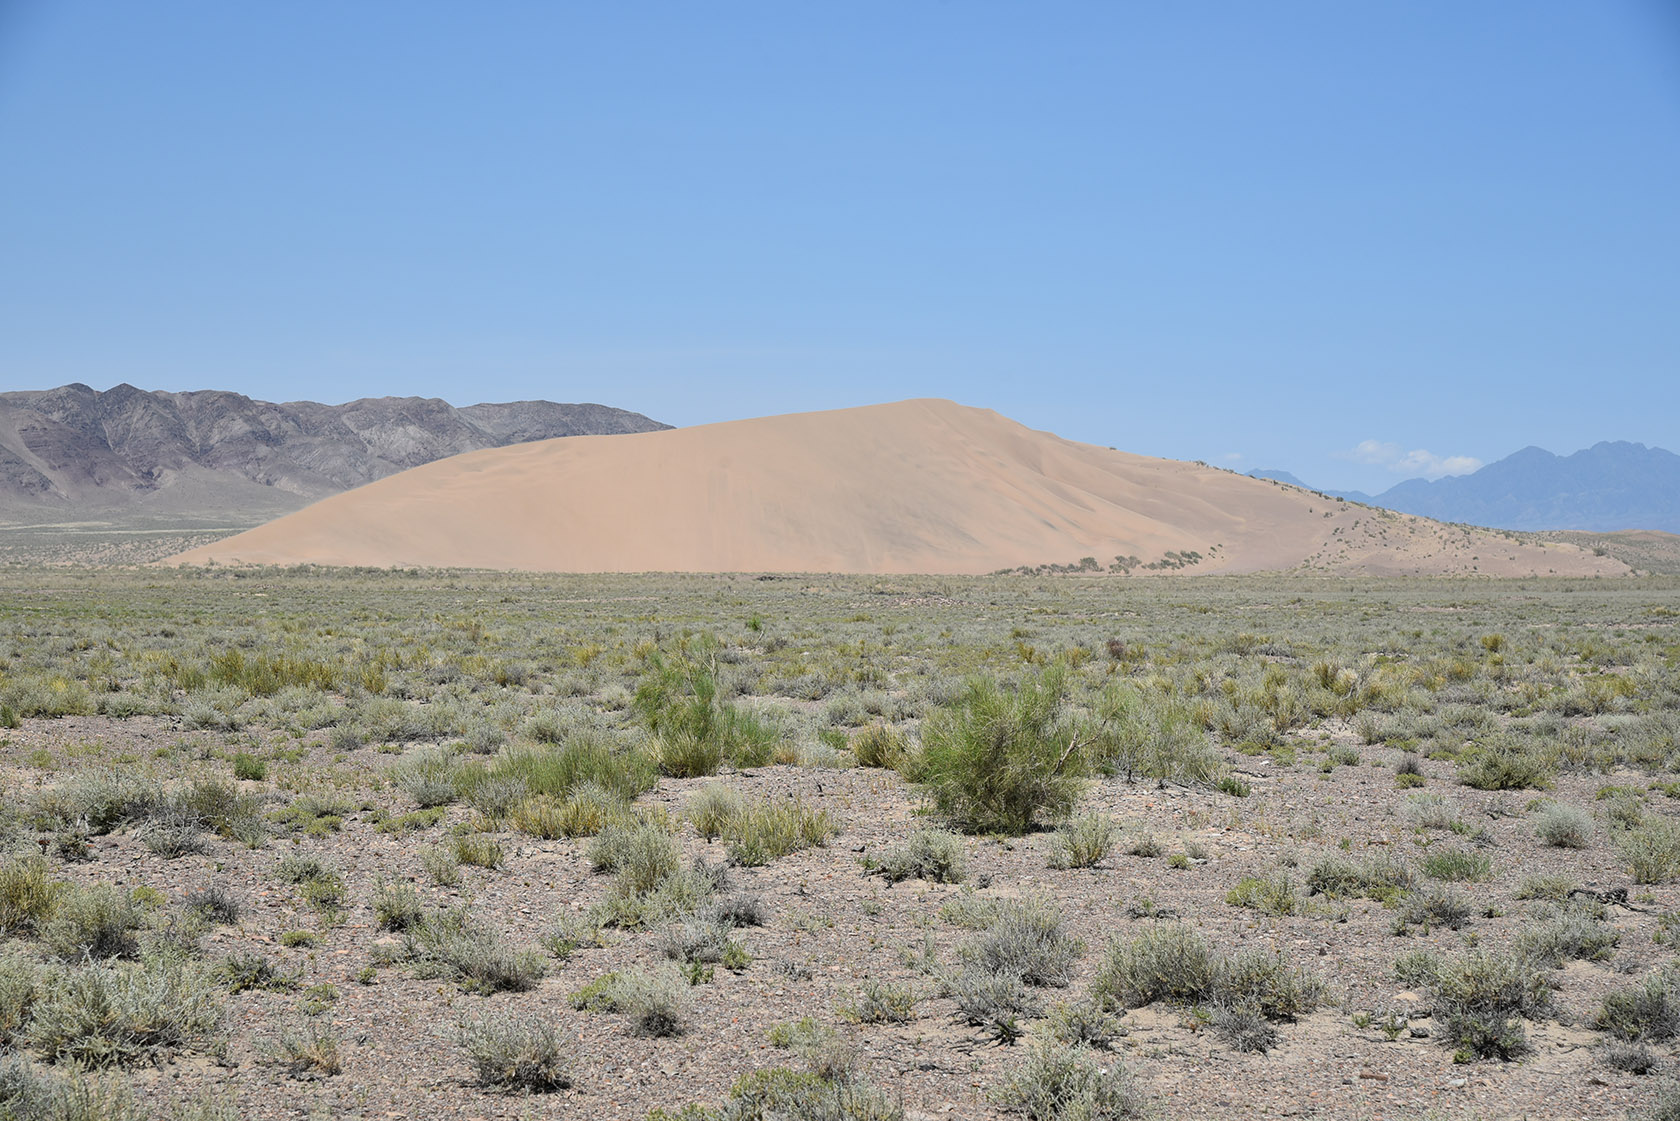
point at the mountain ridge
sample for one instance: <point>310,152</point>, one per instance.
<point>125,452</point>
<point>1612,485</point>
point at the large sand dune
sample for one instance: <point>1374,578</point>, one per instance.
<point>917,486</point>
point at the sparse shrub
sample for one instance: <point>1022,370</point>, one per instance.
<point>1428,811</point>
<point>570,933</point>
<point>439,863</point>
<point>451,945</point>
<point>1084,1022</point>
<point>1173,963</point>
<point>312,815</point>
<point>308,1049</point>
<point>1435,905</point>
<point>996,760</point>
<point>1244,1027</point>
<point>215,903</point>
<point>1647,1013</point>
<point>96,922</point>
<point>1083,841</point>
<point>654,1004</point>
<point>1508,765</point>
<point>1652,851</point>
<point>1563,827</point>
<point>510,1052</point>
<point>1056,1082</point>
<point>396,905</point>
<point>1027,940</point>
<point>695,728</point>
<point>103,800</point>
<point>1482,999</point>
<point>21,982</point>
<point>1167,962</point>
<point>1555,936</point>
<point>1633,1058</point>
<point>993,1000</point>
<point>695,941</point>
<point>103,1015</point>
<point>711,808</point>
<point>641,855</point>
<point>927,854</point>
<point>1270,896</point>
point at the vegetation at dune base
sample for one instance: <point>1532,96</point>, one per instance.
<point>554,824</point>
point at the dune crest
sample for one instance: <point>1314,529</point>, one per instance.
<point>916,486</point>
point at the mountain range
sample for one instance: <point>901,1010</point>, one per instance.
<point>127,455</point>
<point>1613,485</point>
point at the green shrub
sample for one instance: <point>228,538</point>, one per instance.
<point>28,896</point>
<point>249,767</point>
<point>1458,865</point>
<point>479,850</point>
<point>1270,896</point>
<point>1652,851</point>
<point>996,760</point>
<point>711,808</point>
<point>21,981</point>
<point>1083,841</point>
<point>927,854</point>
<point>1433,906</point>
<point>641,855</point>
<point>880,745</point>
<point>510,1052</point>
<point>1056,1082</point>
<point>439,863</point>
<point>1507,765</point>
<point>654,1004</point>
<point>1084,1022</point>
<point>1378,877</point>
<point>245,970</point>
<point>695,729</point>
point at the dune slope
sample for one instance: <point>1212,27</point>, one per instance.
<point>916,486</point>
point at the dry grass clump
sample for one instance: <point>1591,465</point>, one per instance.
<point>1055,1081</point>
<point>927,854</point>
<point>1173,963</point>
<point>1083,841</point>
<point>512,1052</point>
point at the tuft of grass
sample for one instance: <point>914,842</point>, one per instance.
<point>1651,851</point>
<point>882,1003</point>
<point>1083,841</point>
<point>1457,865</point>
<point>1508,765</point>
<point>96,922</point>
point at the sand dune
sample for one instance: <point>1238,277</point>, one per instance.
<point>916,486</point>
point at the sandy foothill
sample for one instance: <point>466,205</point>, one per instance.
<point>916,486</point>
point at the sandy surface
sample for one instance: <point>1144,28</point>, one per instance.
<point>916,486</point>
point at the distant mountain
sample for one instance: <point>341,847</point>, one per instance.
<point>1613,485</point>
<point>127,453</point>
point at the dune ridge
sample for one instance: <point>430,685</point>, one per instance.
<point>915,486</point>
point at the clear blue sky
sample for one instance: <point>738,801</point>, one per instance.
<point>1260,234</point>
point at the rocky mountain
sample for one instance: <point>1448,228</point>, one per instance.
<point>1613,485</point>
<point>128,454</point>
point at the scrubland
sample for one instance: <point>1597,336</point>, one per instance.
<point>383,843</point>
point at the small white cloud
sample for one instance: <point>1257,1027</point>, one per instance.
<point>1231,457</point>
<point>1418,461</point>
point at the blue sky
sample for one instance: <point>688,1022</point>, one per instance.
<point>1355,241</point>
